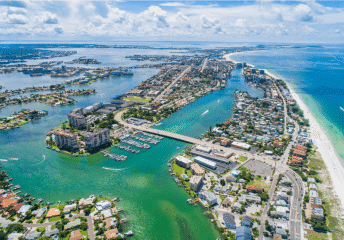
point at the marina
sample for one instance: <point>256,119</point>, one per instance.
<point>136,144</point>
<point>126,148</point>
<point>148,140</point>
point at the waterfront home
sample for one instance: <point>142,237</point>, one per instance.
<point>106,213</point>
<point>195,182</point>
<point>102,205</point>
<point>113,233</point>
<point>243,233</point>
<point>53,212</point>
<point>39,212</point>
<point>109,222</point>
<point>32,235</point>
<point>197,170</point>
<point>75,235</point>
<point>68,208</point>
<point>85,202</point>
<point>75,223</point>
<point>246,221</point>
<point>183,162</point>
<point>22,211</point>
<point>229,220</point>
<point>311,180</point>
<point>209,197</point>
<point>8,202</point>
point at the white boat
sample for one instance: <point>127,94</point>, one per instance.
<point>3,160</point>
<point>15,159</point>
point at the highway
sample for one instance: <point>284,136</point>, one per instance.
<point>295,217</point>
<point>204,64</point>
<point>158,98</point>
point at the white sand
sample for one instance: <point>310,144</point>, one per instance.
<point>321,140</point>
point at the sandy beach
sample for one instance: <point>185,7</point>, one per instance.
<point>320,140</point>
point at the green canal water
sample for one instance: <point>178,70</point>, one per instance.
<point>154,205</point>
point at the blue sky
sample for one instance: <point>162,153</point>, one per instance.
<point>225,21</point>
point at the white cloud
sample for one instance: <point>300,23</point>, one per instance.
<point>172,4</point>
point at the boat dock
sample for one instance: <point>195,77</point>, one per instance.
<point>143,139</point>
<point>126,148</point>
<point>136,144</point>
<point>114,156</point>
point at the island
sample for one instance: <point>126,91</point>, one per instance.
<point>20,118</point>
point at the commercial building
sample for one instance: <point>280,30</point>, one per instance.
<point>241,145</point>
<point>183,162</point>
<point>197,170</point>
<point>66,139</point>
<point>246,221</point>
<point>76,118</point>
<point>97,138</point>
<point>249,197</point>
<point>205,162</point>
<point>229,220</point>
<point>203,149</point>
<point>209,197</point>
<point>195,182</point>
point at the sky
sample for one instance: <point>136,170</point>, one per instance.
<point>219,21</point>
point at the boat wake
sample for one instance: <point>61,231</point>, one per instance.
<point>41,161</point>
<point>3,160</point>
<point>219,100</point>
<point>14,159</point>
<point>114,169</point>
<point>341,109</point>
<point>204,113</point>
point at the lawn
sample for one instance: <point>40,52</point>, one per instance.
<point>242,158</point>
<point>84,233</point>
<point>137,99</point>
<point>41,229</point>
<point>313,235</point>
<point>223,197</point>
<point>188,172</point>
<point>260,182</point>
<point>53,219</point>
<point>177,170</point>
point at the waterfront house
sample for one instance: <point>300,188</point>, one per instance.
<point>229,220</point>
<point>22,211</point>
<point>39,212</point>
<point>53,212</point>
<point>106,213</point>
<point>85,202</point>
<point>102,205</point>
<point>68,208</point>
<point>113,233</point>
<point>109,222</point>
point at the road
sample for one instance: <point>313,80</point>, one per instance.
<point>158,98</point>
<point>266,208</point>
<point>204,64</point>
<point>90,228</point>
<point>295,217</point>
<point>285,108</point>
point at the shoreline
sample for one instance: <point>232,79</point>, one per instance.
<point>320,139</point>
